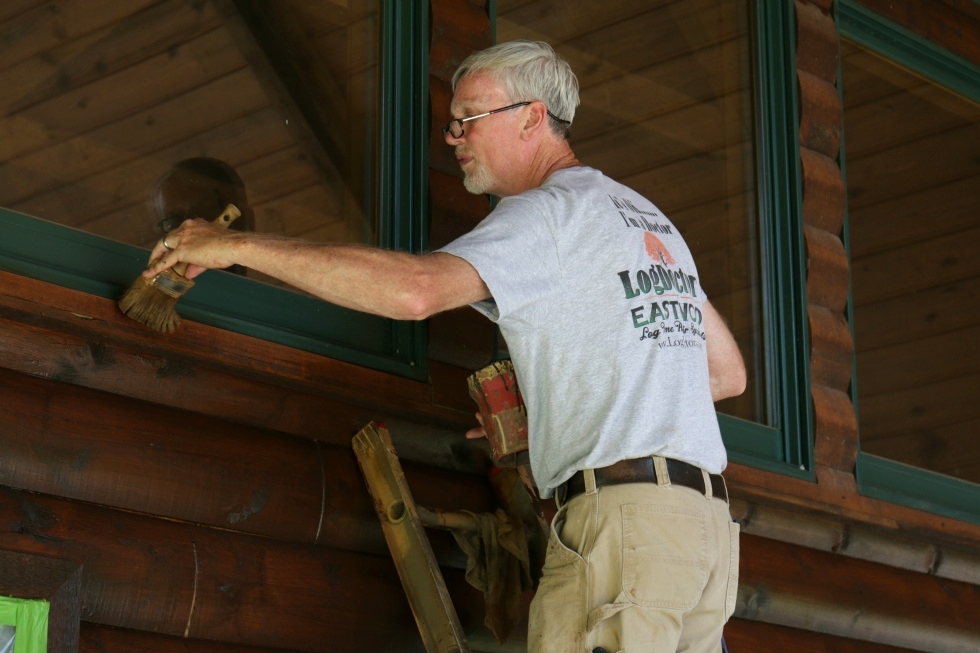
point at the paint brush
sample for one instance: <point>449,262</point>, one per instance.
<point>152,301</point>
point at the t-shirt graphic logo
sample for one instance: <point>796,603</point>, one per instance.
<point>656,250</point>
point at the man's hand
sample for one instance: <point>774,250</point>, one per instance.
<point>479,431</point>
<point>199,243</point>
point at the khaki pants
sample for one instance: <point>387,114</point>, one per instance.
<point>636,568</point>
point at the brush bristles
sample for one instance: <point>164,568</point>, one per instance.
<point>152,301</point>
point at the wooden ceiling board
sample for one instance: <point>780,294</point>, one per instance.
<point>105,51</point>
<point>50,24</point>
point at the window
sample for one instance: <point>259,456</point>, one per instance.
<point>686,103</point>
<point>116,120</point>
<point>912,126</point>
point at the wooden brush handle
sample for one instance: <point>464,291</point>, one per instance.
<point>229,215</point>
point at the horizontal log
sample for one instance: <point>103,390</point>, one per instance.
<point>752,635</point>
<point>835,428</point>
<point>816,42</point>
<point>86,340</point>
<point>96,638</point>
<point>831,348</point>
<point>822,591</point>
<point>835,495</point>
<point>176,579</point>
<point>821,115</point>
<point>106,449</point>
<point>824,194</point>
<point>816,530</point>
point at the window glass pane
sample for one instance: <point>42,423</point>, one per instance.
<point>667,109</point>
<point>98,107</point>
<point>913,176</point>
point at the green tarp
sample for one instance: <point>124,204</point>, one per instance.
<point>30,619</point>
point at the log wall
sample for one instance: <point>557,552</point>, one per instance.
<point>205,483</point>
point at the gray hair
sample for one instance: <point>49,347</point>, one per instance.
<point>529,70</point>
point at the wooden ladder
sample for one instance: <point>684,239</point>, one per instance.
<point>404,522</point>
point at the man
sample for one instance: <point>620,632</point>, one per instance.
<point>618,353</point>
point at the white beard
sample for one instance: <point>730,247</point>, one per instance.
<point>478,181</point>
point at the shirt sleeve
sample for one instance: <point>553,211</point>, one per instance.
<point>514,251</point>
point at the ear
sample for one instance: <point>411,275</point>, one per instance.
<point>537,119</point>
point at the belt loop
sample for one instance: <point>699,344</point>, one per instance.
<point>660,466</point>
<point>708,490</point>
<point>589,476</point>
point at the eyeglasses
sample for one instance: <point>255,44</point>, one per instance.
<point>455,127</point>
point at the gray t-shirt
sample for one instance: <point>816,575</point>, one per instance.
<point>598,298</point>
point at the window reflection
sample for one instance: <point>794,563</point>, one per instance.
<point>98,108</point>
<point>667,109</point>
<point>913,176</point>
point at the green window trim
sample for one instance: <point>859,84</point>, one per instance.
<point>935,63</point>
<point>68,257</point>
<point>879,477</point>
<point>917,488</point>
<point>789,440</point>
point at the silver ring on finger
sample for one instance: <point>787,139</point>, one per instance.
<point>167,245</point>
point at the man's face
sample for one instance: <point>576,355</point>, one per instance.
<point>482,150</point>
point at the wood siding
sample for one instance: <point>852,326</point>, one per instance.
<point>205,481</point>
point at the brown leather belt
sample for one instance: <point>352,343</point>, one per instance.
<point>642,470</point>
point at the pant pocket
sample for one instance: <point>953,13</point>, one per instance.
<point>664,556</point>
<point>558,611</point>
<point>734,529</point>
